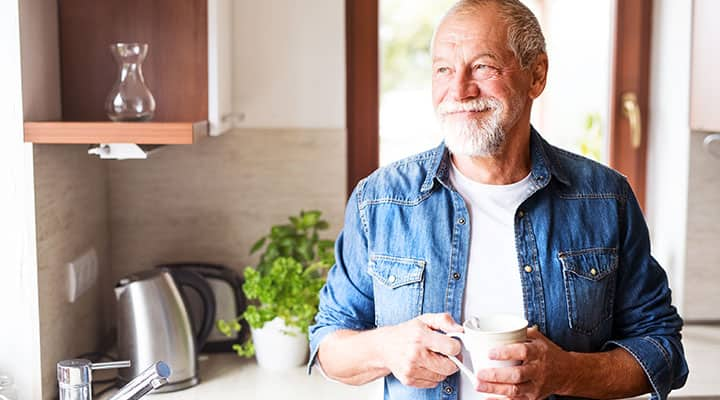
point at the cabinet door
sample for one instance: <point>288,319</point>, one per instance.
<point>289,63</point>
<point>705,81</point>
<point>220,51</point>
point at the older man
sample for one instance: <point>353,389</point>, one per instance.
<point>496,219</point>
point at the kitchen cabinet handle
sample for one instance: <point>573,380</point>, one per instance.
<point>712,144</point>
<point>631,110</point>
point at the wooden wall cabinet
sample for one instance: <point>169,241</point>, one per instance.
<point>175,70</point>
<point>212,65</point>
<point>705,80</point>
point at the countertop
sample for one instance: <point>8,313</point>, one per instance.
<point>225,376</point>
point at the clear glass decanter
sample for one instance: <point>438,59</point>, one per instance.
<point>130,99</point>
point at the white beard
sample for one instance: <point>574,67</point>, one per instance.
<point>476,137</point>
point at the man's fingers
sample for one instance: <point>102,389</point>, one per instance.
<point>420,376</point>
<point>515,352</point>
<point>534,333</point>
<point>513,375</point>
<point>440,364</point>
<point>522,390</point>
<point>441,322</point>
<point>443,344</point>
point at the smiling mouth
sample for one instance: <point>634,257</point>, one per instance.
<point>467,112</point>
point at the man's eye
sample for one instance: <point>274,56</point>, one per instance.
<point>442,70</point>
<point>482,71</point>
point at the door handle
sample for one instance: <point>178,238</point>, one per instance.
<point>631,110</point>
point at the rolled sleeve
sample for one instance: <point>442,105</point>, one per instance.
<point>646,324</point>
<point>659,364</point>
<point>346,300</point>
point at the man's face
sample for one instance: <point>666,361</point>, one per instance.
<point>479,90</point>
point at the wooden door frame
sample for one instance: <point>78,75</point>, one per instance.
<point>363,89</point>
<point>631,71</point>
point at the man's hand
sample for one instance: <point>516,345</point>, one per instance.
<point>546,369</point>
<point>416,353</point>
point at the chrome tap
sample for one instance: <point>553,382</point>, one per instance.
<point>150,379</point>
<point>75,379</point>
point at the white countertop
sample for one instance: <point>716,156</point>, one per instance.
<point>227,376</point>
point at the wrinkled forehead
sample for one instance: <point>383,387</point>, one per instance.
<point>481,29</point>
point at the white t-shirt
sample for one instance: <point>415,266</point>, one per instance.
<point>492,284</point>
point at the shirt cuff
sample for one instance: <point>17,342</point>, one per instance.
<point>654,360</point>
<point>315,340</point>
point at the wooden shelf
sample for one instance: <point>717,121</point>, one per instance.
<point>60,132</point>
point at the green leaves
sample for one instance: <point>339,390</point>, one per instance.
<point>299,240</point>
<point>258,245</point>
<point>244,350</point>
<point>288,278</point>
<point>287,290</point>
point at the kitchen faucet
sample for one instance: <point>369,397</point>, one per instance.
<point>75,379</point>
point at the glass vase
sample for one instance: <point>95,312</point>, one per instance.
<point>130,99</point>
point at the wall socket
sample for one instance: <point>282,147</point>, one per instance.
<point>82,274</point>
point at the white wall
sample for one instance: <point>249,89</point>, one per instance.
<point>19,329</point>
<point>669,138</point>
<point>703,225</point>
<point>579,52</point>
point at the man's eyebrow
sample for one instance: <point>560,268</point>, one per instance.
<point>486,54</point>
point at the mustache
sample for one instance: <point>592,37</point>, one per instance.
<point>479,104</point>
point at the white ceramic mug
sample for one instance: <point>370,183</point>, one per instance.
<point>485,333</point>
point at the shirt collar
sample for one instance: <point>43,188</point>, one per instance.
<point>543,164</point>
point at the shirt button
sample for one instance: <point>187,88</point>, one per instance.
<point>593,272</point>
<point>391,278</point>
<point>456,276</point>
<point>448,390</point>
<point>461,221</point>
<point>528,269</point>
<point>521,214</point>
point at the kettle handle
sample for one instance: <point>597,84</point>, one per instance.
<point>196,282</point>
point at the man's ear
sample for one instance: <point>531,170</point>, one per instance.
<point>538,76</point>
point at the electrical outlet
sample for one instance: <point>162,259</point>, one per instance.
<point>82,274</point>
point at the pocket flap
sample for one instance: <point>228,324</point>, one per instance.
<point>394,272</point>
<point>593,264</point>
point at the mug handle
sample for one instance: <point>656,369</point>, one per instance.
<point>465,370</point>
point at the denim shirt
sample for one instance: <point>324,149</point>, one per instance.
<point>588,280</point>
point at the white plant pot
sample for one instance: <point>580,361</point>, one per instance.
<point>279,347</point>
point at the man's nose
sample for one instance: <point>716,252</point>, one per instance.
<point>464,87</point>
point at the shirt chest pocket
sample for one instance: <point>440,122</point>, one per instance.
<point>397,287</point>
<point>589,277</point>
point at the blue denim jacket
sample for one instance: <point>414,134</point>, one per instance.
<point>591,284</point>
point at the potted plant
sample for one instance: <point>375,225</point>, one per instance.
<point>283,291</point>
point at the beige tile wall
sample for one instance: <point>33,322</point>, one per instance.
<point>211,201</point>
<point>206,202</point>
<point>72,216</point>
<point>702,272</point>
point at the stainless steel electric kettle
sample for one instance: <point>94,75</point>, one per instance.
<point>153,323</point>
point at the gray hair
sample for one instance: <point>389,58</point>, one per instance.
<point>525,38</point>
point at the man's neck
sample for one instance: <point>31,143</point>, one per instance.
<point>511,164</point>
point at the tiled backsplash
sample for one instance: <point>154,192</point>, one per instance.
<point>211,201</point>
<point>205,202</point>
<point>71,216</point>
